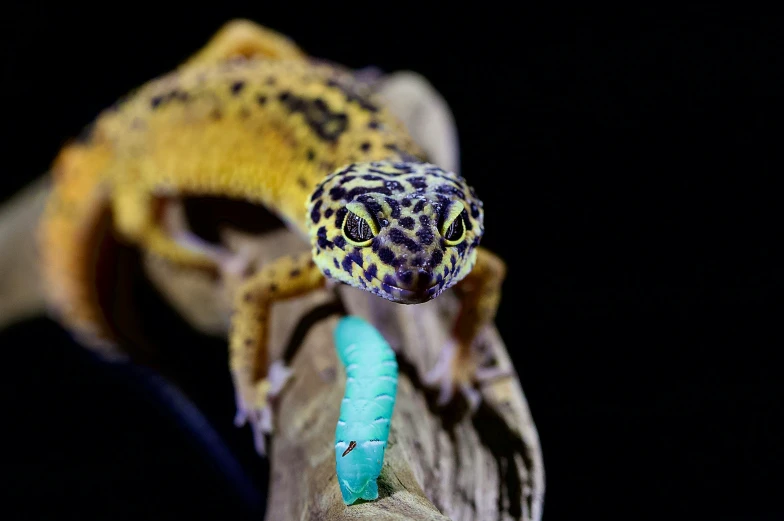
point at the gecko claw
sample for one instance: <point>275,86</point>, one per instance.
<point>260,415</point>
<point>462,373</point>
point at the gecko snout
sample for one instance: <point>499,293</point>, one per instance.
<point>415,280</point>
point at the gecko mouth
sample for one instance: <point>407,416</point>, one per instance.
<point>407,296</point>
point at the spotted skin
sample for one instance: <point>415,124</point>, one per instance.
<point>409,260</point>
<point>252,117</point>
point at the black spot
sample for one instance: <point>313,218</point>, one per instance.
<point>389,280</point>
<point>318,193</point>
<point>328,125</point>
<point>461,247</point>
<point>425,236</point>
<point>395,206</point>
<point>337,193</point>
<point>302,182</point>
<point>371,272</point>
<point>339,241</point>
<point>273,287</point>
<point>397,236</point>
<point>261,99</point>
<point>328,213</point>
<point>216,114</point>
<point>370,177</point>
<point>336,263</point>
<point>373,125</point>
<point>362,190</point>
<point>321,232</point>
<point>356,258</point>
<point>156,101</point>
<point>406,202</point>
<point>453,261</point>
<point>294,273</point>
<point>375,244</point>
<point>237,87</point>
<point>315,214</point>
<point>452,190</point>
<point>474,211</point>
<point>406,276</point>
<point>327,273</point>
<point>395,187</point>
<point>386,256</point>
<point>324,243</point>
<point>372,206</point>
<point>384,223</point>
<point>347,265</point>
<point>311,155</point>
<point>437,258</point>
<point>419,206</point>
<point>365,146</point>
<point>271,80</point>
<point>418,261</point>
<point>407,223</point>
<point>424,220</point>
<point>339,216</point>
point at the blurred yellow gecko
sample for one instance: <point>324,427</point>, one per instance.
<point>252,117</point>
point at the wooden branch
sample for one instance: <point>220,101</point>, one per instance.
<point>21,294</point>
<point>440,464</point>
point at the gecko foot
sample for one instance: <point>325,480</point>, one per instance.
<point>459,368</point>
<point>260,414</point>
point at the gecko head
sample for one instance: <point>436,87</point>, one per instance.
<point>405,231</point>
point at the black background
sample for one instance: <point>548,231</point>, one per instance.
<point>627,161</point>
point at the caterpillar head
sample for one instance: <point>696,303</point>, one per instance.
<point>405,231</point>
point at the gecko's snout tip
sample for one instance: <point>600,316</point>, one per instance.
<point>413,286</point>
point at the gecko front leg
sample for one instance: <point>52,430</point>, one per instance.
<point>254,381</point>
<point>459,364</point>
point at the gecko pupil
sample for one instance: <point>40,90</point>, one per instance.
<point>455,230</point>
<point>357,229</point>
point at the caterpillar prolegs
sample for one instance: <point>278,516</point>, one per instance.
<point>366,411</point>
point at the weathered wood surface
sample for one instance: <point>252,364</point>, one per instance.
<point>441,463</point>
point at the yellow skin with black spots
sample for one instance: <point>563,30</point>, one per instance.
<point>252,117</point>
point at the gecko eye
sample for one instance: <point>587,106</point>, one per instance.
<point>357,230</point>
<point>455,232</point>
<point>359,227</point>
<point>452,227</point>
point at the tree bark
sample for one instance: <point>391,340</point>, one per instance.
<point>441,463</point>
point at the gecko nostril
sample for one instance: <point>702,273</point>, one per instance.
<point>423,278</point>
<point>406,277</point>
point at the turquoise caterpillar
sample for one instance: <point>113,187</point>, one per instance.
<point>366,411</point>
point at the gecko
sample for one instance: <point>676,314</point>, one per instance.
<point>252,117</point>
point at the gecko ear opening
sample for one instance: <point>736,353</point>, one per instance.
<point>359,227</point>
